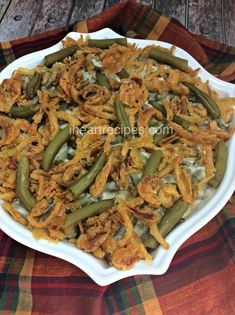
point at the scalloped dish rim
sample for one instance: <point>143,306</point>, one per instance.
<point>95,268</point>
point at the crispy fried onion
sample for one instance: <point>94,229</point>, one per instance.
<point>98,238</point>
<point>145,141</point>
<point>184,184</point>
<point>135,160</point>
<point>221,134</point>
<point>14,213</point>
<point>201,137</point>
<point>114,59</point>
<point>207,159</point>
<point>180,105</point>
<point>148,188</point>
<point>7,194</point>
<point>70,172</point>
<point>9,132</point>
<point>153,84</point>
<point>92,95</point>
<point>152,190</point>
<point>71,77</point>
<point>98,187</point>
<point>145,116</point>
<point>133,92</point>
<point>96,230</point>
<point>69,117</point>
<point>226,106</point>
<point>10,92</point>
<point>124,258</point>
<point>117,160</point>
<point>100,111</point>
<point>174,83</point>
<point>168,195</point>
<point>55,218</point>
<point>154,231</point>
<point>141,211</point>
<point>49,107</point>
<point>43,185</point>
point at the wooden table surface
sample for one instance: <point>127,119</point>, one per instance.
<point>19,18</point>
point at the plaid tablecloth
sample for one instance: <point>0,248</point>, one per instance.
<point>201,278</point>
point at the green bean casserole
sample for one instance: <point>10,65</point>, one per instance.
<point>108,146</point>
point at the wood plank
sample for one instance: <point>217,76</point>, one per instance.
<point>149,3</point>
<point>19,19</point>
<point>173,8</point>
<point>109,3</point>
<point>3,7</point>
<point>205,19</point>
<point>229,21</point>
<point>53,14</point>
<point>85,9</point>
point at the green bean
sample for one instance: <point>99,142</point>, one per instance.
<point>85,200</point>
<point>153,162</point>
<point>159,106</point>
<point>210,105</point>
<point>192,98</point>
<point>154,122</point>
<point>60,55</point>
<point>135,178</point>
<point>88,211</point>
<point>184,123</point>
<point>123,74</point>
<point>160,212</point>
<point>117,140</point>
<point>105,43</point>
<point>169,221</point>
<point>102,80</point>
<point>54,146</point>
<point>86,180</point>
<point>122,119</point>
<point>23,111</point>
<point>160,136</point>
<point>180,121</point>
<point>221,155</point>
<point>33,85</point>
<point>166,57</point>
<point>22,184</point>
<point>71,231</point>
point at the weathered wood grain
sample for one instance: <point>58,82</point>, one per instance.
<point>149,3</point>
<point>3,7</point>
<point>53,14</point>
<point>19,19</point>
<point>229,21</point>
<point>205,18</point>
<point>109,3</point>
<point>85,9</point>
<point>174,8</point>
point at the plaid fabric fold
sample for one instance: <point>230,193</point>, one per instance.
<point>201,278</point>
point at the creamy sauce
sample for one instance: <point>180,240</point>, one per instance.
<point>88,77</point>
<point>17,205</point>
<point>97,62</point>
<point>196,171</point>
<point>144,154</point>
<point>203,198</point>
<point>62,154</point>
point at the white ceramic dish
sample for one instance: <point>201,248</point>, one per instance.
<point>97,269</point>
